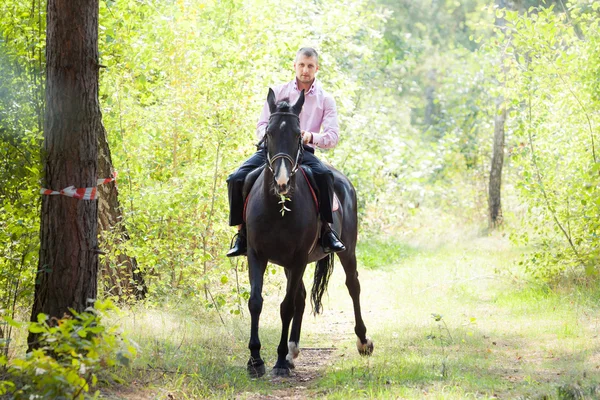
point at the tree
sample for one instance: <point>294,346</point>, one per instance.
<point>495,183</point>
<point>68,263</point>
<point>495,186</point>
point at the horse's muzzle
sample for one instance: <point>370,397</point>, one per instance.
<point>283,188</point>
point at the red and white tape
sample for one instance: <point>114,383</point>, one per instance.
<point>79,193</point>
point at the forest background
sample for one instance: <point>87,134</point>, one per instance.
<point>422,89</point>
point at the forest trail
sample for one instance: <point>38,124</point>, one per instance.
<point>323,344</point>
<point>449,320</point>
<point>310,366</point>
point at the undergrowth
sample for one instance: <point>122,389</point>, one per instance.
<point>70,357</point>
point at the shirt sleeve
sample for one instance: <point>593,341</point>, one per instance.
<point>263,121</point>
<point>328,139</point>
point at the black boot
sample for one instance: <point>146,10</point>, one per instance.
<point>330,241</point>
<point>240,246</point>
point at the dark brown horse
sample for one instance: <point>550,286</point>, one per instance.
<point>288,237</point>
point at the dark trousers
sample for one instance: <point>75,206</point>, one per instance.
<point>323,177</point>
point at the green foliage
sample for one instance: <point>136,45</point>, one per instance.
<point>551,92</point>
<point>444,338</point>
<point>415,84</point>
<point>71,354</point>
<point>181,96</point>
<point>435,114</point>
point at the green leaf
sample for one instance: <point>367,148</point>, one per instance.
<point>12,322</point>
<point>36,328</point>
<point>42,318</point>
<point>436,317</point>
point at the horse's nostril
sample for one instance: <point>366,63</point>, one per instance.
<point>283,188</point>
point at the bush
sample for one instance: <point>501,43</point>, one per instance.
<point>71,352</point>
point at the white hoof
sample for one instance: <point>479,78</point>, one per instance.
<point>365,349</point>
<point>293,351</point>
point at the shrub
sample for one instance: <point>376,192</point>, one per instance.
<point>71,353</point>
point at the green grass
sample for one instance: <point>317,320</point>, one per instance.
<point>375,253</point>
<point>498,337</point>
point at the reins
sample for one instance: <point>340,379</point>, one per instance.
<point>294,163</point>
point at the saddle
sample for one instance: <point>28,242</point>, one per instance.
<point>308,175</point>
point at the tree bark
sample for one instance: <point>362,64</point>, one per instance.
<point>68,263</point>
<point>120,274</point>
<point>495,193</point>
<point>495,183</point>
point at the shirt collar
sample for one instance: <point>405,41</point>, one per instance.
<point>312,87</point>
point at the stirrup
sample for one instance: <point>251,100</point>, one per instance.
<point>233,240</point>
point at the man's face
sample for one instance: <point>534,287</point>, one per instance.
<point>306,68</point>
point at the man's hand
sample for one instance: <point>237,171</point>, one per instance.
<point>306,137</point>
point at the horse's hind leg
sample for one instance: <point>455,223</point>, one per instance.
<point>293,344</point>
<point>287,308</point>
<point>348,259</point>
<point>256,270</point>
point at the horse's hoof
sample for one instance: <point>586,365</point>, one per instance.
<point>281,371</point>
<point>365,349</point>
<point>256,368</point>
<point>291,364</point>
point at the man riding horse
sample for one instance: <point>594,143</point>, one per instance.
<point>319,111</point>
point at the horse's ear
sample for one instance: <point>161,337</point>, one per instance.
<point>299,103</point>
<point>271,101</point>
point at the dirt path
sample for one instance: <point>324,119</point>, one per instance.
<point>309,368</point>
<point>328,332</point>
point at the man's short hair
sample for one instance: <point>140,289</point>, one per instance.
<point>308,52</point>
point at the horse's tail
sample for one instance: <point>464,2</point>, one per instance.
<point>323,271</point>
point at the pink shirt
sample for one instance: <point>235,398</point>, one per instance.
<point>318,111</point>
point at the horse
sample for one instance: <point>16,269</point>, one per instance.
<point>283,227</point>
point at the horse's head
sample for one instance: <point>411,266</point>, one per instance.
<point>284,141</point>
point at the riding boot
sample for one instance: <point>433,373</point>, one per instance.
<point>240,246</point>
<point>330,241</point>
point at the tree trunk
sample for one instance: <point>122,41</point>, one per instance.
<point>68,262</point>
<point>495,203</point>
<point>119,272</point>
<point>495,184</point>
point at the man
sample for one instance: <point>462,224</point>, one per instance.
<point>319,111</point>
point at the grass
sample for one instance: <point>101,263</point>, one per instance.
<point>496,336</point>
<point>373,253</point>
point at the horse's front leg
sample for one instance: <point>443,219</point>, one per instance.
<point>287,308</point>
<point>256,270</point>
<point>294,343</point>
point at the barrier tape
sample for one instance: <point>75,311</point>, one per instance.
<point>79,193</point>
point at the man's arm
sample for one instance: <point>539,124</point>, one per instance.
<point>263,121</point>
<point>330,136</point>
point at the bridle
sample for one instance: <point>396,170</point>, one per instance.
<point>294,163</point>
